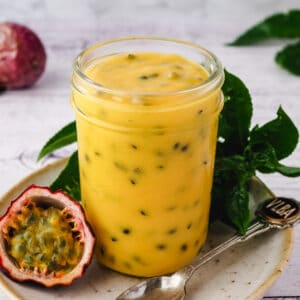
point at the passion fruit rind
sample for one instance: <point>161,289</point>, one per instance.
<point>45,238</point>
<point>23,56</point>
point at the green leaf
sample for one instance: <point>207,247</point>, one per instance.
<point>289,58</point>
<point>68,180</point>
<point>281,133</point>
<point>65,136</point>
<point>288,171</point>
<point>263,158</point>
<point>230,195</point>
<point>235,117</point>
<point>238,206</point>
<point>280,25</point>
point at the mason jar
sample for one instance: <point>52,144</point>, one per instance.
<point>146,155</point>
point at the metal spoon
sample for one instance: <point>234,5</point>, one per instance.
<point>278,213</point>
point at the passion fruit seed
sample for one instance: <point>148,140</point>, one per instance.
<point>44,238</point>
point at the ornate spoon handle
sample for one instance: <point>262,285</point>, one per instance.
<point>276,213</point>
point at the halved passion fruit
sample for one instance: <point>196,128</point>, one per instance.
<point>45,238</point>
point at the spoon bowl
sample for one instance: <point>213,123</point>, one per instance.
<point>163,288</point>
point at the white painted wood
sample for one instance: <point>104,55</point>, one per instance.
<point>29,117</point>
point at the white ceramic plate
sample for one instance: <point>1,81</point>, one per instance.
<point>243,272</point>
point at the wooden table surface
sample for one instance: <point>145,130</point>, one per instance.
<point>30,116</point>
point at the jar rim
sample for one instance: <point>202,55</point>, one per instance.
<point>215,78</point>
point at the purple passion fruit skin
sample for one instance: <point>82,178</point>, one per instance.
<point>45,238</point>
<point>22,56</point>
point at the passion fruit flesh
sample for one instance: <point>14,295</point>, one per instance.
<point>45,238</point>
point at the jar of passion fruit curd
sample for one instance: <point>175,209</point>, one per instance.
<point>147,116</point>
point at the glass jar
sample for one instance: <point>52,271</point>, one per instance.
<point>146,160</point>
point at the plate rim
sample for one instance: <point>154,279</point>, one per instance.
<point>259,292</point>
<point>278,269</point>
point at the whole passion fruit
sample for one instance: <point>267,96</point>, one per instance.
<point>22,56</point>
<point>45,238</point>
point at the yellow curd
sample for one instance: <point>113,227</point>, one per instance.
<point>146,155</point>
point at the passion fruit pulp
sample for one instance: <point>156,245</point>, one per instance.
<point>45,238</point>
